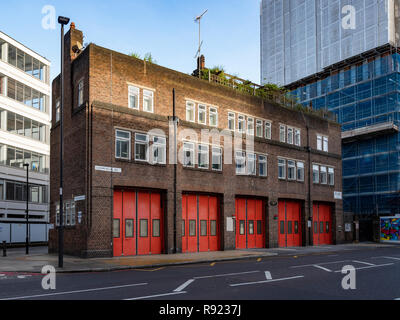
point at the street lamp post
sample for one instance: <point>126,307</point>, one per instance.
<point>26,165</point>
<point>63,21</point>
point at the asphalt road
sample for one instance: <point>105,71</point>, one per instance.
<point>312,277</point>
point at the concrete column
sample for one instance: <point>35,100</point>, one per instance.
<point>272,223</point>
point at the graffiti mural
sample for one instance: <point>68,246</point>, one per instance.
<point>390,229</point>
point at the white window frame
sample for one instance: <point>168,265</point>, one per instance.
<point>259,128</point>
<point>213,111</point>
<point>263,160</point>
<point>203,149</point>
<point>189,146</point>
<point>134,91</point>
<point>145,143</point>
<point>282,133</point>
<point>58,110</point>
<point>191,106</point>
<point>300,174</point>
<point>316,169</point>
<point>325,144</point>
<point>331,176</point>
<point>319,142</point>
<point>291,165</point>
<point>282,163</point>
<point>290,135</point>
<point>268,130</point>
<point>240,156</point>
<point>323,174</point>
<point>202,109</point>
<point>216,151</point>
<point>250,126</point>
<point>231,117</point>
<point>129,140</point>
<point>160,144</point>
<point>297,137</point>
<point>251,158</point>
<point>80,92</point>
<point>241,120</point>
<point>148,94</point>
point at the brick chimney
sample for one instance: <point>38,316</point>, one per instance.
<point>201,62</point>
<point>73,43</point>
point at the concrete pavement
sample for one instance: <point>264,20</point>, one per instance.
<point>17,261</point>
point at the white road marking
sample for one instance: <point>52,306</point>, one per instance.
<point>183,286</point>
<point>322,263</point>
<point>319,267</point>
<point>268,275</point>
<point>265,281</point>
<point>397,299</point>
<point>157,295</point>
<point>225,275</point>
<point>76,291</point>
<point>362,262</point>
<point>393,258</point>
<point>374,266</point>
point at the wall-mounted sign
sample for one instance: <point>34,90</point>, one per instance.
<point>108,169</point>
<point>347,227</point>
<point>338,195</point>
<point>51,226</point>
<point>229,224</point>
<point>79,198</point>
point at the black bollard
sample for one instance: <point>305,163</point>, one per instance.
<point>4,249</point>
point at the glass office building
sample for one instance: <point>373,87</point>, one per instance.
<point>342,56</point>
<point>302,37</point>
<point>366,99</point>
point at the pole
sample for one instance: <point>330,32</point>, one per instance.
<point>199,58</point>
<point>61,228</point>
<point>175,171</point>
<point>27,208</point>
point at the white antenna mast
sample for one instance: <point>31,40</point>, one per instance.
<point>198,19</point>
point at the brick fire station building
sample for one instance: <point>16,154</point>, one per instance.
<point>123,196</point>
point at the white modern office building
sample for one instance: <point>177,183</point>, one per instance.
<point>24,139</point>
<point>300,38</point>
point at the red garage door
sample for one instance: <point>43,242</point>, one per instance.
<point>200,223</point>
<point>250,224</point>
<point>138,223</point>
<point>322,224</point>
<point>289,224</point>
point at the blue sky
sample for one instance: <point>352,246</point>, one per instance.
<point>166,28</point>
